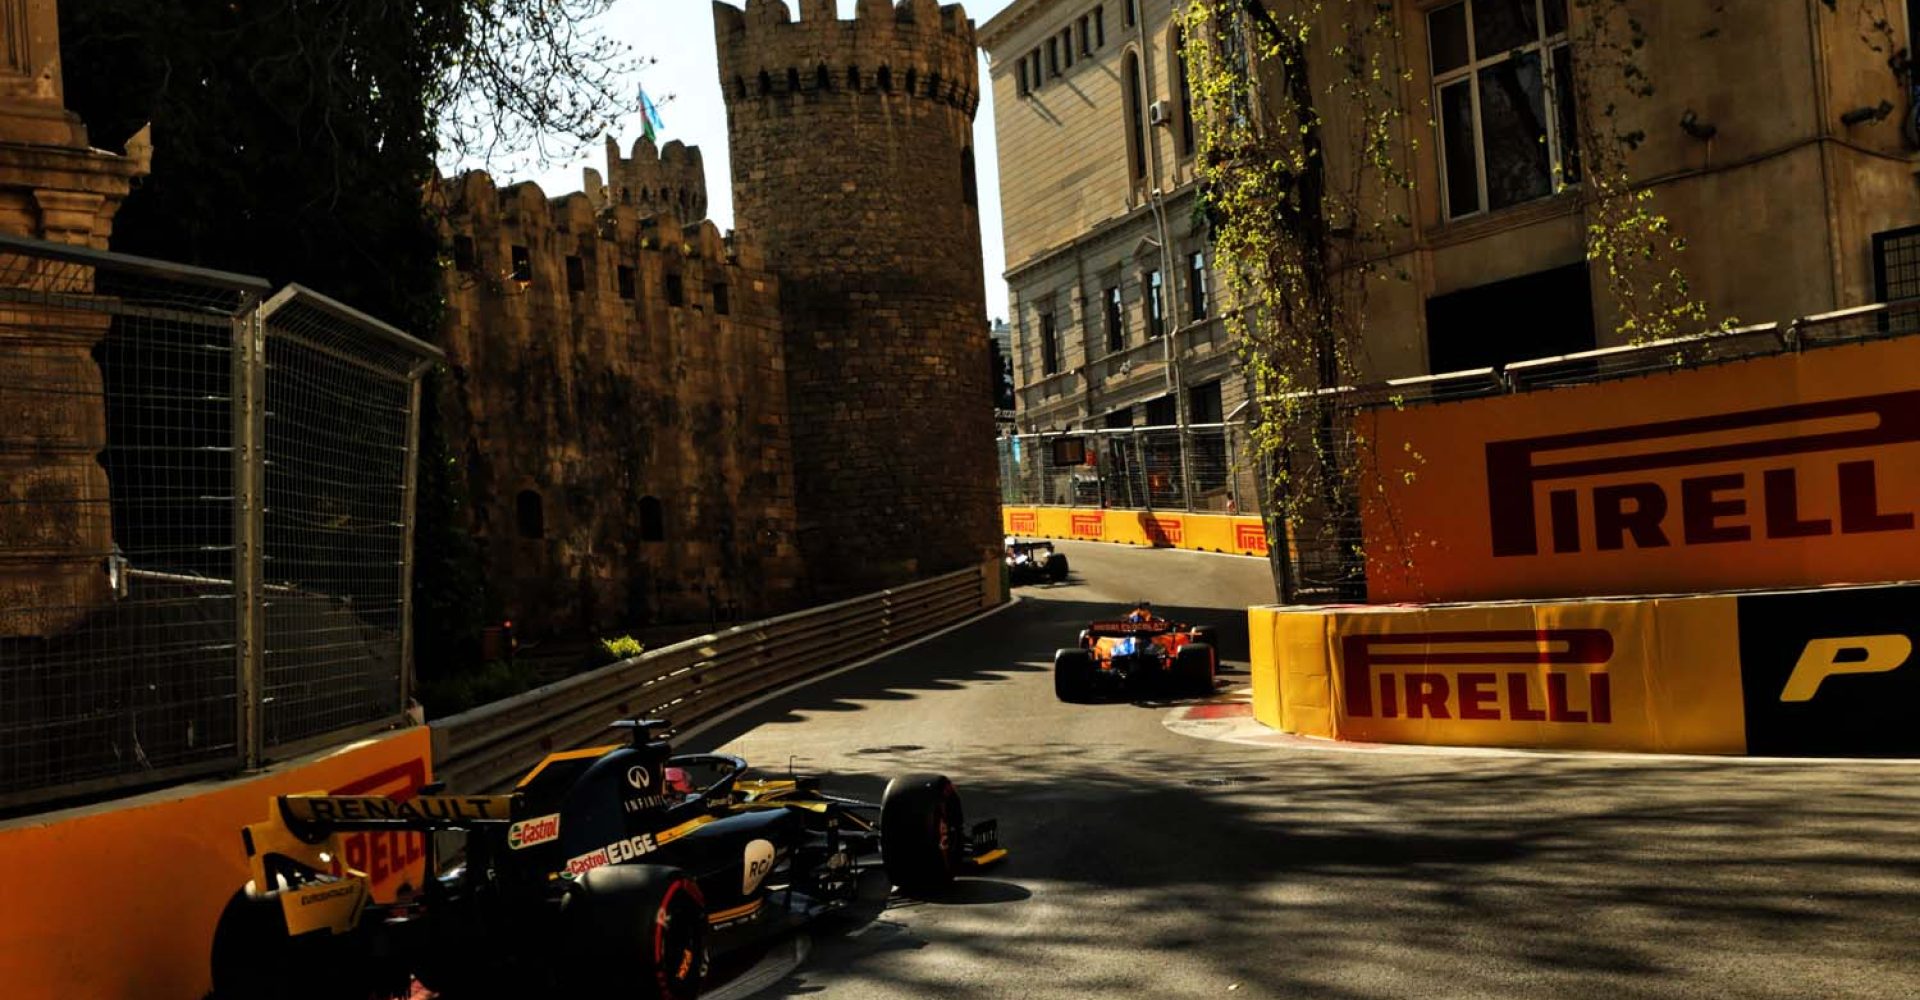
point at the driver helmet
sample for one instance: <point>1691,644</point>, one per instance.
<point>678,782</point>
<point>1142,612</point>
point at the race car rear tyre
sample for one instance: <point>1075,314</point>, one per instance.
<point>1073,671</point>
<point>254,958</point>
<point>1057,568</point>
<point>923,832</point>
<point>640,931</point>
<point>1207,634</point>
<point>1193,668</point>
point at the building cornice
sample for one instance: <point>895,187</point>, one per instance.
<point>1002,24</point>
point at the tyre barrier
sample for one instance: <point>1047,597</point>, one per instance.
<point>1229,533</point>
<point>1813,672</point>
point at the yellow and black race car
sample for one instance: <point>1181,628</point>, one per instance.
<point>614,871</point>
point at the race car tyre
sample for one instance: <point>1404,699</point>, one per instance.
<point>1086,639</point>
<point>1193,668</point>
<point>254,958</point>
<point>640,932</point>
<point>1057,568</point>
<point>1073,671</point>
<point>1207,634</point>
<point>923,832</point>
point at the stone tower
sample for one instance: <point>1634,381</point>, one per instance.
<point>853,169</point>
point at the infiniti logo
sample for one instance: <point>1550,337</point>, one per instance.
<point>639,777</point>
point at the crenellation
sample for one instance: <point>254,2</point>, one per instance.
<point>765,54</point>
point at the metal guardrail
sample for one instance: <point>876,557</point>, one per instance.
<point>691,682</point>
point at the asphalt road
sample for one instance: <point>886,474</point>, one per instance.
<point>1147,863</point>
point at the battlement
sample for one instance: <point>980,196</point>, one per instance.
<point>672,177</point>
<point>919,49</point>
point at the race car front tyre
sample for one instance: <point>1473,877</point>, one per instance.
<point>1057,568</point>
<point>923,833</point>
<point>640,931</point>
<point>1193,668</point>
<point>254,958</point>
<point>1073,671</point>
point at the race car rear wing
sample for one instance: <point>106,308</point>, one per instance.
<point>317,815</point>
<point>1114,629</point>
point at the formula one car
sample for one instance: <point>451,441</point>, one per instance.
<point>612,871</point>
<point>1032,562</point>
<point>1140,655</point>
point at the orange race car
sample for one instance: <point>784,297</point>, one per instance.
<point>1139,655</point>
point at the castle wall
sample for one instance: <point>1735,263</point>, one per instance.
<point>852,169</point>
<point>602,399</point>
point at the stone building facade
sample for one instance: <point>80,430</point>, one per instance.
<point>55,530</point>
<point>1774,142</point>
<point>618,400</point>
<point>851,147</point>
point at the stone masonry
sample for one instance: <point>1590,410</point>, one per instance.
<point>853,171</point>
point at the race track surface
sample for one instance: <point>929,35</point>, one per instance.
<point>1151,864</point>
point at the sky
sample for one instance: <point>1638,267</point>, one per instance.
<point>679,34</point>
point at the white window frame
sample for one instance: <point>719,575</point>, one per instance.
<point>1546,46</point>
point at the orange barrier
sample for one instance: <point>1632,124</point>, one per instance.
<point>120,899</point>
<point>1791,470</point>
<point>1828,671</point>
<point>1161,529</point>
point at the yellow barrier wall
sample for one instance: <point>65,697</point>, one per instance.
<point>120,900</point>
<point>1648,675</point>
<point>1162,529</point>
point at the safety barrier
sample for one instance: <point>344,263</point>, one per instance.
<point>1827,671</point>
<point>692,681</point>
<point>1242,535</point>
<point>120,900</point>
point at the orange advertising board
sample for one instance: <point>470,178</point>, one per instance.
<point>1205,532</point>
<point>142,926</point>
<point>1794,470</point>
<point>1651,675</point>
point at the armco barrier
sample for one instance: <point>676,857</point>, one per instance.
<point>1242,535</point>
<point>689,682</point>
<point>119,900</point>
<point>1828,671</point>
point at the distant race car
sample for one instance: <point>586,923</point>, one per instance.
<point>1031,562</point>
<point>606,872</point>
<point>1139,656</point>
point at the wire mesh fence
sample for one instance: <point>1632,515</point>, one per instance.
<point>1203,468</point>
<point>156,427</point>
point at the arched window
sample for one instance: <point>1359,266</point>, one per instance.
<point>884,79</point>
<point>1136,118</point>
<point>853,78</point>
<point>766,83</point>
<point>793,79</point>
<point>653,525</point>
<point>969,184</point>
<point>913,81</point>
<point>822,80</point>
<point>1186,91</point>
<point>530,515</point>
<point>933,86</point>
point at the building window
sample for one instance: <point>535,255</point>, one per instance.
<point>1053,57</point>
<point>625,278</point>
<point>1186,91</point>
<point>1086,36</point>
<point>522,265</point>
<point>576,274</point>
<point>1503,86</point>
<point>1116,321</point>
<point>1156,304</point>
<point>653,521</point>
<point>1049,346</point>
<point>1133,12</point>
<point>676,290</point>
<point>1066,48</point>
<point>969,180</point>
<point>1539,315</point>
<point>464,258</point>
<point>1136,118</point>
<point>1038,76</point>
<point>1197,285</point>
<point>1896,264</point>
<point>1161,412</point>
<point>1022,70</point>
<point>722,303</point>
<point>1100,27</point>
<point>529,514</point>
<point>1203,403</point>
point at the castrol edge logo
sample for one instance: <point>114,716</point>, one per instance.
<point>1487,675</point>
<point>1601,494</point>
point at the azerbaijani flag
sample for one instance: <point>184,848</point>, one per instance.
<point>649,116</point>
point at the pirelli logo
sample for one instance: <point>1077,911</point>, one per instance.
<point>1023,522</point>
<point>1092,526</point>
<point>1165,530</point>
<point>1614,488</point>
<point>1485,675</point>
<point>1252,537</point>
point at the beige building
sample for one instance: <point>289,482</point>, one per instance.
<point>1775,141</point>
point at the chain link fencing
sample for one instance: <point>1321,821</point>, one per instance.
<point>205,508</point>
<point>1204,469</point>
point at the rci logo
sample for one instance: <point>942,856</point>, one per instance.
<point>1859,654</point>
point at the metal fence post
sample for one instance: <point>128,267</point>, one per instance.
<point>408,503</point>
<point>249,435</point>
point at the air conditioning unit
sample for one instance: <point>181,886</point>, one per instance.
<point>1160,113</point>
